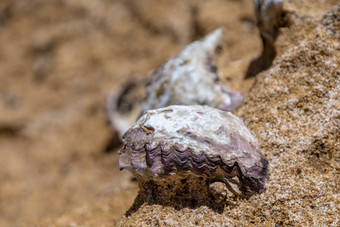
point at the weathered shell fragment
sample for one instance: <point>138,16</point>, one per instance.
<point>190,78</point>
<point>181,140</point>
<point>123,107</point>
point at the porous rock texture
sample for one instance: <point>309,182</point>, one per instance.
<point>293,108</point>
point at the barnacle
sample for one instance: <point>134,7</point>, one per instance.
<point>183,140</point>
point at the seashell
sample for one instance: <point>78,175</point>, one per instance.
<point>190,78</point>
<point>198,140</point>
<point>123,107</point>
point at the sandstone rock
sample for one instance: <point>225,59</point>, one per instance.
<point>293,108</point>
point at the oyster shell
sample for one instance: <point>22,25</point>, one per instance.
<point>190,78</point>
<point>268,17</point>
<point>123,107</point>
<point>179,140</point>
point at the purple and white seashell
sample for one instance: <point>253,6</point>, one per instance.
<point>177,141</point>
<point>190,78</point>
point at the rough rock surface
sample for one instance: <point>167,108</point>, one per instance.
<point>293,108</point>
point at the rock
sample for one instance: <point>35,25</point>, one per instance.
<point>293,109</point>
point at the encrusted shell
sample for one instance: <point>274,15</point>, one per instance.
<point>199,140</point>
<point>123,107</point>
<point>190,78</point>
